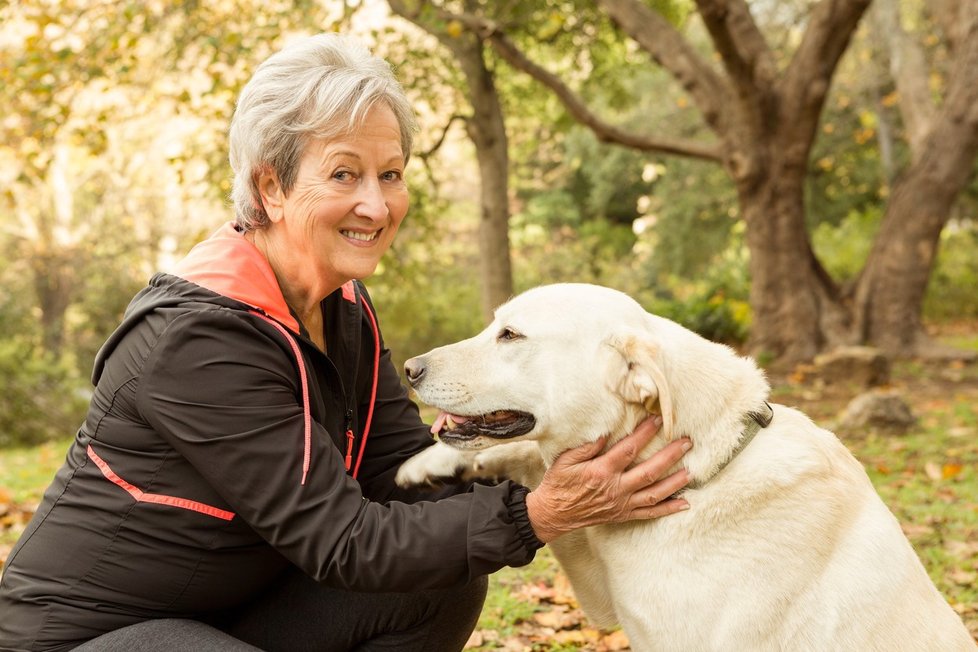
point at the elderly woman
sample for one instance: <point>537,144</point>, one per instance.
<point>232,485</point>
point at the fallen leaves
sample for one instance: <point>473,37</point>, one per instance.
<point>557,622</point>
<point>946,471</point>
<point>13,519</point>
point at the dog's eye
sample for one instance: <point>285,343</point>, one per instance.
<point>507,334</point>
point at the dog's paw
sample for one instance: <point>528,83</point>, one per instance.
<point>434,466</point>
<point>520,461</point>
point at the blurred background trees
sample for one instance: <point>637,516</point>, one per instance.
<point>783,176</point>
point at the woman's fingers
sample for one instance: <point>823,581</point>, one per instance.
<point>665,508</point>
<point>582,453</point>
<point>623,453</point>
<point>650,471</point>
<point>659,493</point>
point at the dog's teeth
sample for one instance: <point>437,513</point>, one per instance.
<point>449,423</point>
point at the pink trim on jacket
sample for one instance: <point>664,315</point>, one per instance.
<point>306,415</point>
<point>142,497</point>
<point>373,390</point>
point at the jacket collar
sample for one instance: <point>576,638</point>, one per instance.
<point>230,265</point>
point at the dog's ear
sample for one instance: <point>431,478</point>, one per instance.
<point>641,379</point>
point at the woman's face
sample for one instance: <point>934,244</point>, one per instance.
<point>347,202</point>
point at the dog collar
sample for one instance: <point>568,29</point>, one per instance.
<point>753,423</point>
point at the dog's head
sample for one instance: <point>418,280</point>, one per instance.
<point>561,364</point>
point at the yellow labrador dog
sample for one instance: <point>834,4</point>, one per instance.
<point>786,545</point>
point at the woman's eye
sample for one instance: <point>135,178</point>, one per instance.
<point>343,175</point>
<point>391,175</point>
<point>508,335</point>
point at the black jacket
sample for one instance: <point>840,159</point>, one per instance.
<point>220,446</point>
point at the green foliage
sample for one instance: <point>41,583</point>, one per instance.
<point>846,174</point>
<point>951,293</point>
<point>842,246</point>
<point>712,314</point>
<point>592,253</point>
<point>426,289</point>
<point>695,219</point>
<point>715,305</point>
<point>41,398</point>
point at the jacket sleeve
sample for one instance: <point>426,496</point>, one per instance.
<point>222,389</point>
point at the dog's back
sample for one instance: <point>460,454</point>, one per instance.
<point>808,558</point>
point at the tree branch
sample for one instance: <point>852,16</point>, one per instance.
<point>491,32</point>
<point>805,83</point>
<point>744,51</point>
<point>909,71</point>
<point>425,155</point>
<point>668,48</point>
<point>949,14</point>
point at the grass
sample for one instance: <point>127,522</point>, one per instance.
<point>25,472</point>
<point>929,480</point>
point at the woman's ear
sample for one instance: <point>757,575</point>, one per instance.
<point>270,190</point>
<point>642,379</point>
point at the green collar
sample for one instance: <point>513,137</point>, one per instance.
<point>753,423</point>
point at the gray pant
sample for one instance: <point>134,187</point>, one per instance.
<point>298,614</point>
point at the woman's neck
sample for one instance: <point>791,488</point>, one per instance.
<point>303,298</point>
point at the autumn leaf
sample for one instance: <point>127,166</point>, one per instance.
<point>962,577</point>
<point>557,618</point>
<point>949,471</point>
<point>616,641</point>
<point>454,29</point>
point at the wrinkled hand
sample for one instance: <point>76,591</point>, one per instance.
<point>585,487</point>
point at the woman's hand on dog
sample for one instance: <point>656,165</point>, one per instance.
<point>584,487</point>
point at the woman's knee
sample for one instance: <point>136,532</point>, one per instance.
<point>166,635</point>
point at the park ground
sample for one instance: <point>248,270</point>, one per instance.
<point>928,477</point>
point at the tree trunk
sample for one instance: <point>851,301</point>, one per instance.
<point>52,285</point>
<point>487,130</point>
<point>889,295</point>
<point>909,71</point>
<point>796,305</point>
<point>767,122</point>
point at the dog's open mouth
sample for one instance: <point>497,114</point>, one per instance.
<point>501,424</point>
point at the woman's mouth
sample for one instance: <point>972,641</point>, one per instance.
<point>360,236</point>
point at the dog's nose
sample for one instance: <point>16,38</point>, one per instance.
<point>415,369</point>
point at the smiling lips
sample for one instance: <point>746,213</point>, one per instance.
<point>362,237</point>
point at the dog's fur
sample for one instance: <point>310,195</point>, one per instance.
<point>786,548</point>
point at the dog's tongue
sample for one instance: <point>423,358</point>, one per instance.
<point>439,423</point>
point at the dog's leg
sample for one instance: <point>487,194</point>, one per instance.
<point>587,576</point>
<point>519,461</point>
<point>436,464</point>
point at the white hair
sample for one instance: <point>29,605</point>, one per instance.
<point>318,87</point>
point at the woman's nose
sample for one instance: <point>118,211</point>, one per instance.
<point>371,201</point>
